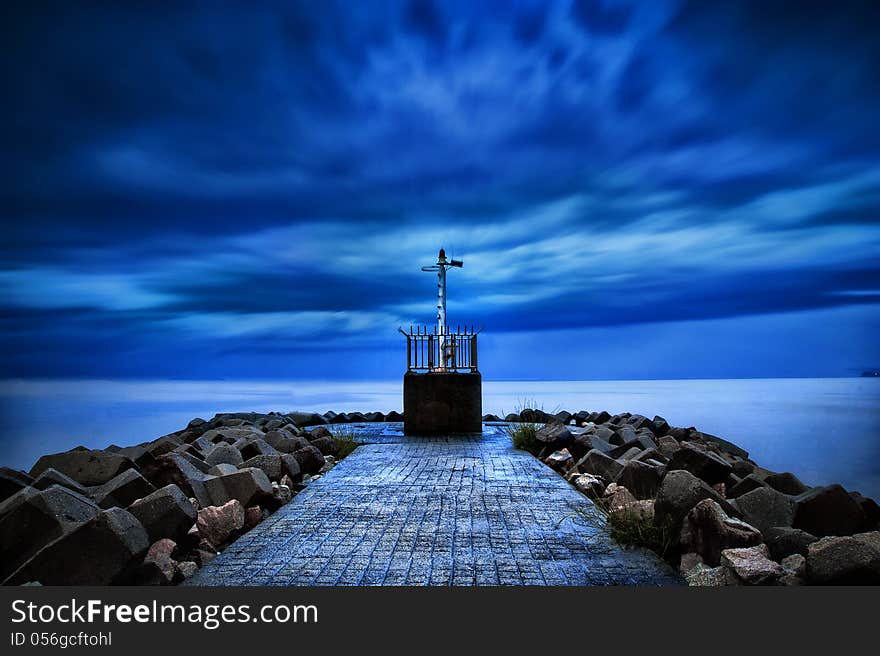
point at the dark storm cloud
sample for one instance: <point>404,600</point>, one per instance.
<point>188,183</point>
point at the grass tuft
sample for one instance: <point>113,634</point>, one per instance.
<point>347,440</point>
<point>633,529</point>
<point>524,437</point>
<point>523,434</point>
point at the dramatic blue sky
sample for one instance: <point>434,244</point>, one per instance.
<point>651,190</point>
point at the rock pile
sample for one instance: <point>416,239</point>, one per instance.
<point>731,521</point>
<point>156,512</point>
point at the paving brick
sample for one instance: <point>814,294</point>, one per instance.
<point>434,511</point>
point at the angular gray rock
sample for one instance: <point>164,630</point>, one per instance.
<point>870,510</point>
<point>85,466</point>
<point>326,445</point>
<point>51,477</point>
<point>845,560</point>
<point>747,484</point>
<point>667,445</point>
<point>122,490</point>
<point>828,510</point>
<point>707,531</point>
<point>678,493</point>
<point>765,508</point>
<point>639,478</point>
<point>724,445</point>
<point>222,469</point>
<point>258,447</point>
<point>174,468</point>
<point>290,467</point>
<point>249,486</point>
<point>303,419</point>
<point>11,481</point>
<point>596,462</point>
<point>705,465</point>
<point>783,541</point>
<point>269,464</point>
<point>787,483</point>
<point>105,550</point>
<point>166,513</point>
<point>310,459</point>
<point>32,518</point>
<point>224,453</point>
<point>555,436</point>
<point>318,432</point>
<point>583,443</point>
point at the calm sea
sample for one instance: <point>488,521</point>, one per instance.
<point>823,430</point>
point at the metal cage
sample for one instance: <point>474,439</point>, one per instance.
<point>432,351</point>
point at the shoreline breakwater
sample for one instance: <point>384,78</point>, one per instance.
<point>156,512</point>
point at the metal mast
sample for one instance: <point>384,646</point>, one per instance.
<point>440,268</point>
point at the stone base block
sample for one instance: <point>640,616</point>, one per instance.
<point>442,403</point>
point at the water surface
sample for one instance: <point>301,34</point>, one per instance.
<point>824,430</point>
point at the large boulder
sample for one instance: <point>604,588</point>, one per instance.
<point>217,524</point>
<point>622,435</point>
<point>303,419</point>
<point>747,484</point>
<point>310,459</point>
<point>707,531</point>
<point>11,481</point>
<point>765,508</point>
<point>787,483</point>
<point>845,560</point>
<point>640,479</point>
<point>318,432</point>
<point>50,477</point>
<point>752,565</point>
<point>702,463</point>
<point>596,462</point>
<point>175,468</point>
<point>105,550</point>
<point>783,541</point>
<point>258,447</point>
<point>326,445</point>
<point>870,510</point>
<point>583,443</point>
<point>828,510</point>
<point>249,486</point>
<point>270,464</point>
<point>678,493</point>
<point>85,466</point>
<point>32,518</point>
<point>724,445</point>
<point>166,513</point>
<point>290,467</point>
<point>122,490</point>
<point>555,436</point>
<point>224,453</point>
<point>667,445</point>
<point>281,440</point>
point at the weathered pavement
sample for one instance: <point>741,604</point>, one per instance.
<point>434,511</point>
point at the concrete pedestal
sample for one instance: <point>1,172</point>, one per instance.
<point>442,403</point>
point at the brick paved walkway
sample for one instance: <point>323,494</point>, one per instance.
<point>441,511</point>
